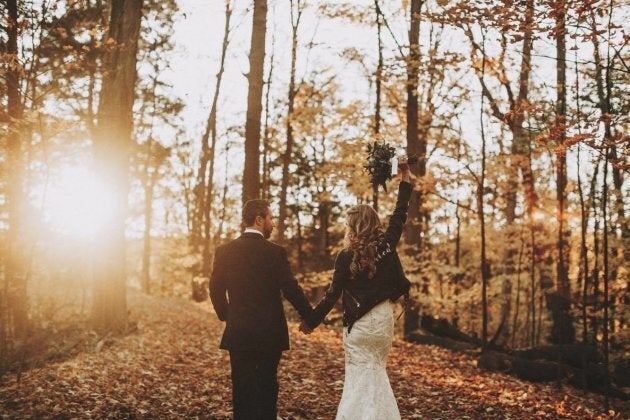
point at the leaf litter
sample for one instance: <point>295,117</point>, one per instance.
<point>171,367</point>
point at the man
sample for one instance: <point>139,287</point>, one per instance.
<point>254,272</point>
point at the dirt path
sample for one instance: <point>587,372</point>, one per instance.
<point>171,368</point>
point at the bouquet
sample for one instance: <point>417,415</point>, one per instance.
<point>382,163</point>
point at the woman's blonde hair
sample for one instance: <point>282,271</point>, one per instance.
<point>363,232</point>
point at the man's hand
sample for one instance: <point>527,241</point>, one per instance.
<point>305,329</point>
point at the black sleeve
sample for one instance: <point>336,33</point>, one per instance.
<point>399,217</point>
<point>291,290</point>
<point>340,277</point>
<point>218,287</point>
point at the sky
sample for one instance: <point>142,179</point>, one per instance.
<point>194,63</point>
<point>198,35</point>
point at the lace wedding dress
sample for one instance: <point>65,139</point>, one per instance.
<point>367,394</point>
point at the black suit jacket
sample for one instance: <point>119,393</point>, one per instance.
<point>249,276</point>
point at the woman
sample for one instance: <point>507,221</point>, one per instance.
<point>364,273</point>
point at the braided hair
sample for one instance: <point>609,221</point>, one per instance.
<point>363,232</point>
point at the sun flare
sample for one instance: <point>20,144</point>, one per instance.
<point>76,203</point>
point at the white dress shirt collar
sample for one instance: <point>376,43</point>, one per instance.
<point>250,230</point>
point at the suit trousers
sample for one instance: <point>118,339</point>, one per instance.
<point>254,384</point>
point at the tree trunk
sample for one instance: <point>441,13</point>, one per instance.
<point>503,332</point>
<point>605,266</point>
<point>111,153</point>
<point>224,203</point>
<point>583,273</point>
<point>458,228</point>
<point>266,194</point>
<point>149,188</point>
<point>483,262</point>
<point>604,87</point>
<point>584,269</point>
<point>251,170</point>
<point>300,240</point>
<point>480,214</point>
<point>520,139</point>
<point>532,274</point>
<point>15,195</point>
<point>377,105</point>
<point>596,268</point>
<point>562,331</point>
<point>414,222</point>
<point>518,290</point>
<point>209,154</point>
<point>288,153</point>
<point>609,150</point>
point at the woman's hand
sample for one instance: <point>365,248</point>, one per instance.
<point>403,167</point>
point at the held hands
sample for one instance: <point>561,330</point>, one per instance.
<point>305,329</point>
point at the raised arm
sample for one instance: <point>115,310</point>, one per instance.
<point>399,217</point>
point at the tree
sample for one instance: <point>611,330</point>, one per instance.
<point>517,102</point>
<point>157,109</point>
<point>204,189</point>
<point>112,145</point>
<point>604,82</point>
<point>15,195</point>
<point>154,156</point>
<point>480,211</point>
<point>288,153</point>
<point>414,145</point>
<point>378,80</point>
<point>72,54</point>
<point>269,130</point>
<point>251,170</point>
<point>562,331</point>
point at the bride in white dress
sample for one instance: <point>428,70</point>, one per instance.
<point>362,270</point>
<point>367,393</point>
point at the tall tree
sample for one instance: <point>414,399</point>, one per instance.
<point>268,129</point>
<point>111,153</point>
<point>157,108</point>
<point>480,211</point>
<point>15,196</point>
<point>520,149</point>
<point>378,82</point>
<point>414,146</point>
<point>155,156</point>
<point>562,331</point>
<point>604,87</point>
<point>251,170</point>
<point>296,14</point>
<point>517,103</point>
<point>205,182</point>
<point>606,274</point>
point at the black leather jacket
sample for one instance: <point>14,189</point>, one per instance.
<point>361,294</point>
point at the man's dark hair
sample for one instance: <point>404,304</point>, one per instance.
<point>254,208</point>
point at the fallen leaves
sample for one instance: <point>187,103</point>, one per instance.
<point>172,367</point>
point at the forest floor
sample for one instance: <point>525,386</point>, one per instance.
<point>171,367</point>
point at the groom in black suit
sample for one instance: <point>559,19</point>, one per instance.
<point>254,273</point>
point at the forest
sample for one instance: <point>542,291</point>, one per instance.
<point>133,131</point>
